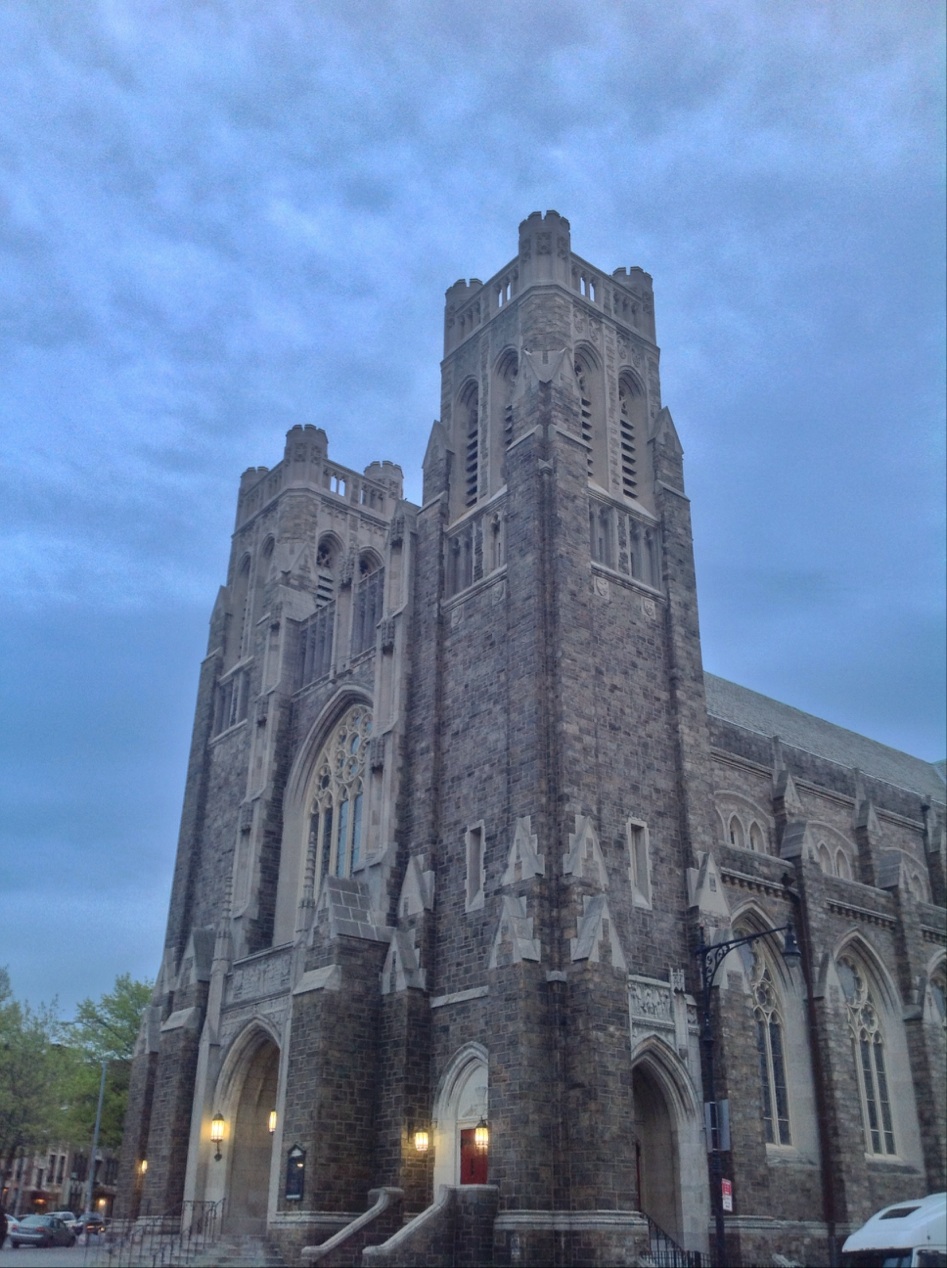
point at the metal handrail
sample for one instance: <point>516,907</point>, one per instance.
<point>157,1241</point>
<point>665,1252</point>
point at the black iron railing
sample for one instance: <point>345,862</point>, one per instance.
<point>665,1252</point>
<point>157,1241</point>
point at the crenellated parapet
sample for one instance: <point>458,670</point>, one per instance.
<point>306,464</point>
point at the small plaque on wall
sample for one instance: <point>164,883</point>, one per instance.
<point>295,1173</point>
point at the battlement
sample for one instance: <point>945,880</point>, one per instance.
<point>306,464</point>
<point>546,258</point>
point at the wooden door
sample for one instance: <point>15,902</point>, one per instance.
<point>473,1163</point>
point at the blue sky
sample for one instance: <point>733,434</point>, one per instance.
<point>221,219</point>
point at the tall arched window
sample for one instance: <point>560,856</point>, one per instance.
<point>335,817</point>
<point>368,602</point>
<point>239,597</point>
<point>631,416</point>
<point>769,1047</point>
<point>327,558</point>
<point>501,431</point>
<point>938,988</point>
<point>868,1049</point>
<point>469,433</point>
<point>583,378</point>
<point>263,569</point>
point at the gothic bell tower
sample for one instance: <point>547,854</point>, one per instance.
<point>559,685</point>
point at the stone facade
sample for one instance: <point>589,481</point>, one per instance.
<point>462,804</point>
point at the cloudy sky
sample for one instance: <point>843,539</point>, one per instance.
<point>219,219</point>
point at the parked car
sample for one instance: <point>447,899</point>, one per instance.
<point>89,1222</point>
<point>67,1218</point>
<point>42,1230</point>
<point>12,1223</point>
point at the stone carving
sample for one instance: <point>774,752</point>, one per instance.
<point>473,1104</point>
<point>584,858</point>
<point>259,977</point>
<point>417,889</point>
<point>597,938</point>
<point>376,751</point>
<point>650,999</point>
<point>524,861</point>
<point>513,940</point>
<point>402,966</point>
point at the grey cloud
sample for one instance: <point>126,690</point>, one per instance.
<point>222,220</point>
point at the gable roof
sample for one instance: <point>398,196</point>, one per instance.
<point>753,712</point>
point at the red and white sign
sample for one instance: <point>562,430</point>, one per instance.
<point>726,1189</point>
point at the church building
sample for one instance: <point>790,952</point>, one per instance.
<point>464,821</point>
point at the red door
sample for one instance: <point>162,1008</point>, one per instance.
<point>473,1163</point>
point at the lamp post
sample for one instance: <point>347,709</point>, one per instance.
<point>711,956</point>
<point>90,1186</point>
<point>90,1182</point>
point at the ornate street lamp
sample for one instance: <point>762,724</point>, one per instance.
<point>482,1136</point>
<point>711,956</point>
<point>217,1124</point>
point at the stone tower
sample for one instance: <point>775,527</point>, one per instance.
<point>457,816</point>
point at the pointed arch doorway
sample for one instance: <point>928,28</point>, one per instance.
<point>657,1160</point>
<point>462,1102</point>
<point>252,1147</point>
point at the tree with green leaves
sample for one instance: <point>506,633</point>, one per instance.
<point>50,1070</point>
<point>103,1030</point>
<point>30,1069</point>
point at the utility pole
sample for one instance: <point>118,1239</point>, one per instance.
<point>95,1138</point>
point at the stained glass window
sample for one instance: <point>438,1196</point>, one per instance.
<point>335,817</point>
<point>869,1053</point>
<point>769,1047</point>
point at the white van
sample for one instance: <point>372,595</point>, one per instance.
<point>911,1234</point>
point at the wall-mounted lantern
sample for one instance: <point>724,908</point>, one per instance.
<point>271,1122</point>
<point>143,1166</point>
<point>217,1124</point>
<point>295,1173</point>
<point>422,1140</point>
<point>482,1136</point>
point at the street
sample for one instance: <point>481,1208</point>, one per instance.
<point>78,1256</point>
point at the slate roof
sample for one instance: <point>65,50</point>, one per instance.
<point>753,712</point>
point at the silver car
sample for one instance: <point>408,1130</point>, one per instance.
<point>42,1230</point>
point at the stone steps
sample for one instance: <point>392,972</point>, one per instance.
<point>243,1252</point>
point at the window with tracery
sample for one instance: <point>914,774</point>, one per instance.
<point>938,985</point>
<point>868,1049</point>
<point>326,560</point>
<point>470,431</point>
<point>628,411</point>
<point>335,819</point>
<point>769,1048</point>
<point>367,605</point>
<point>582,378</point>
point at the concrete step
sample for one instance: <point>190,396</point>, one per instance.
<point>241,1252</point>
